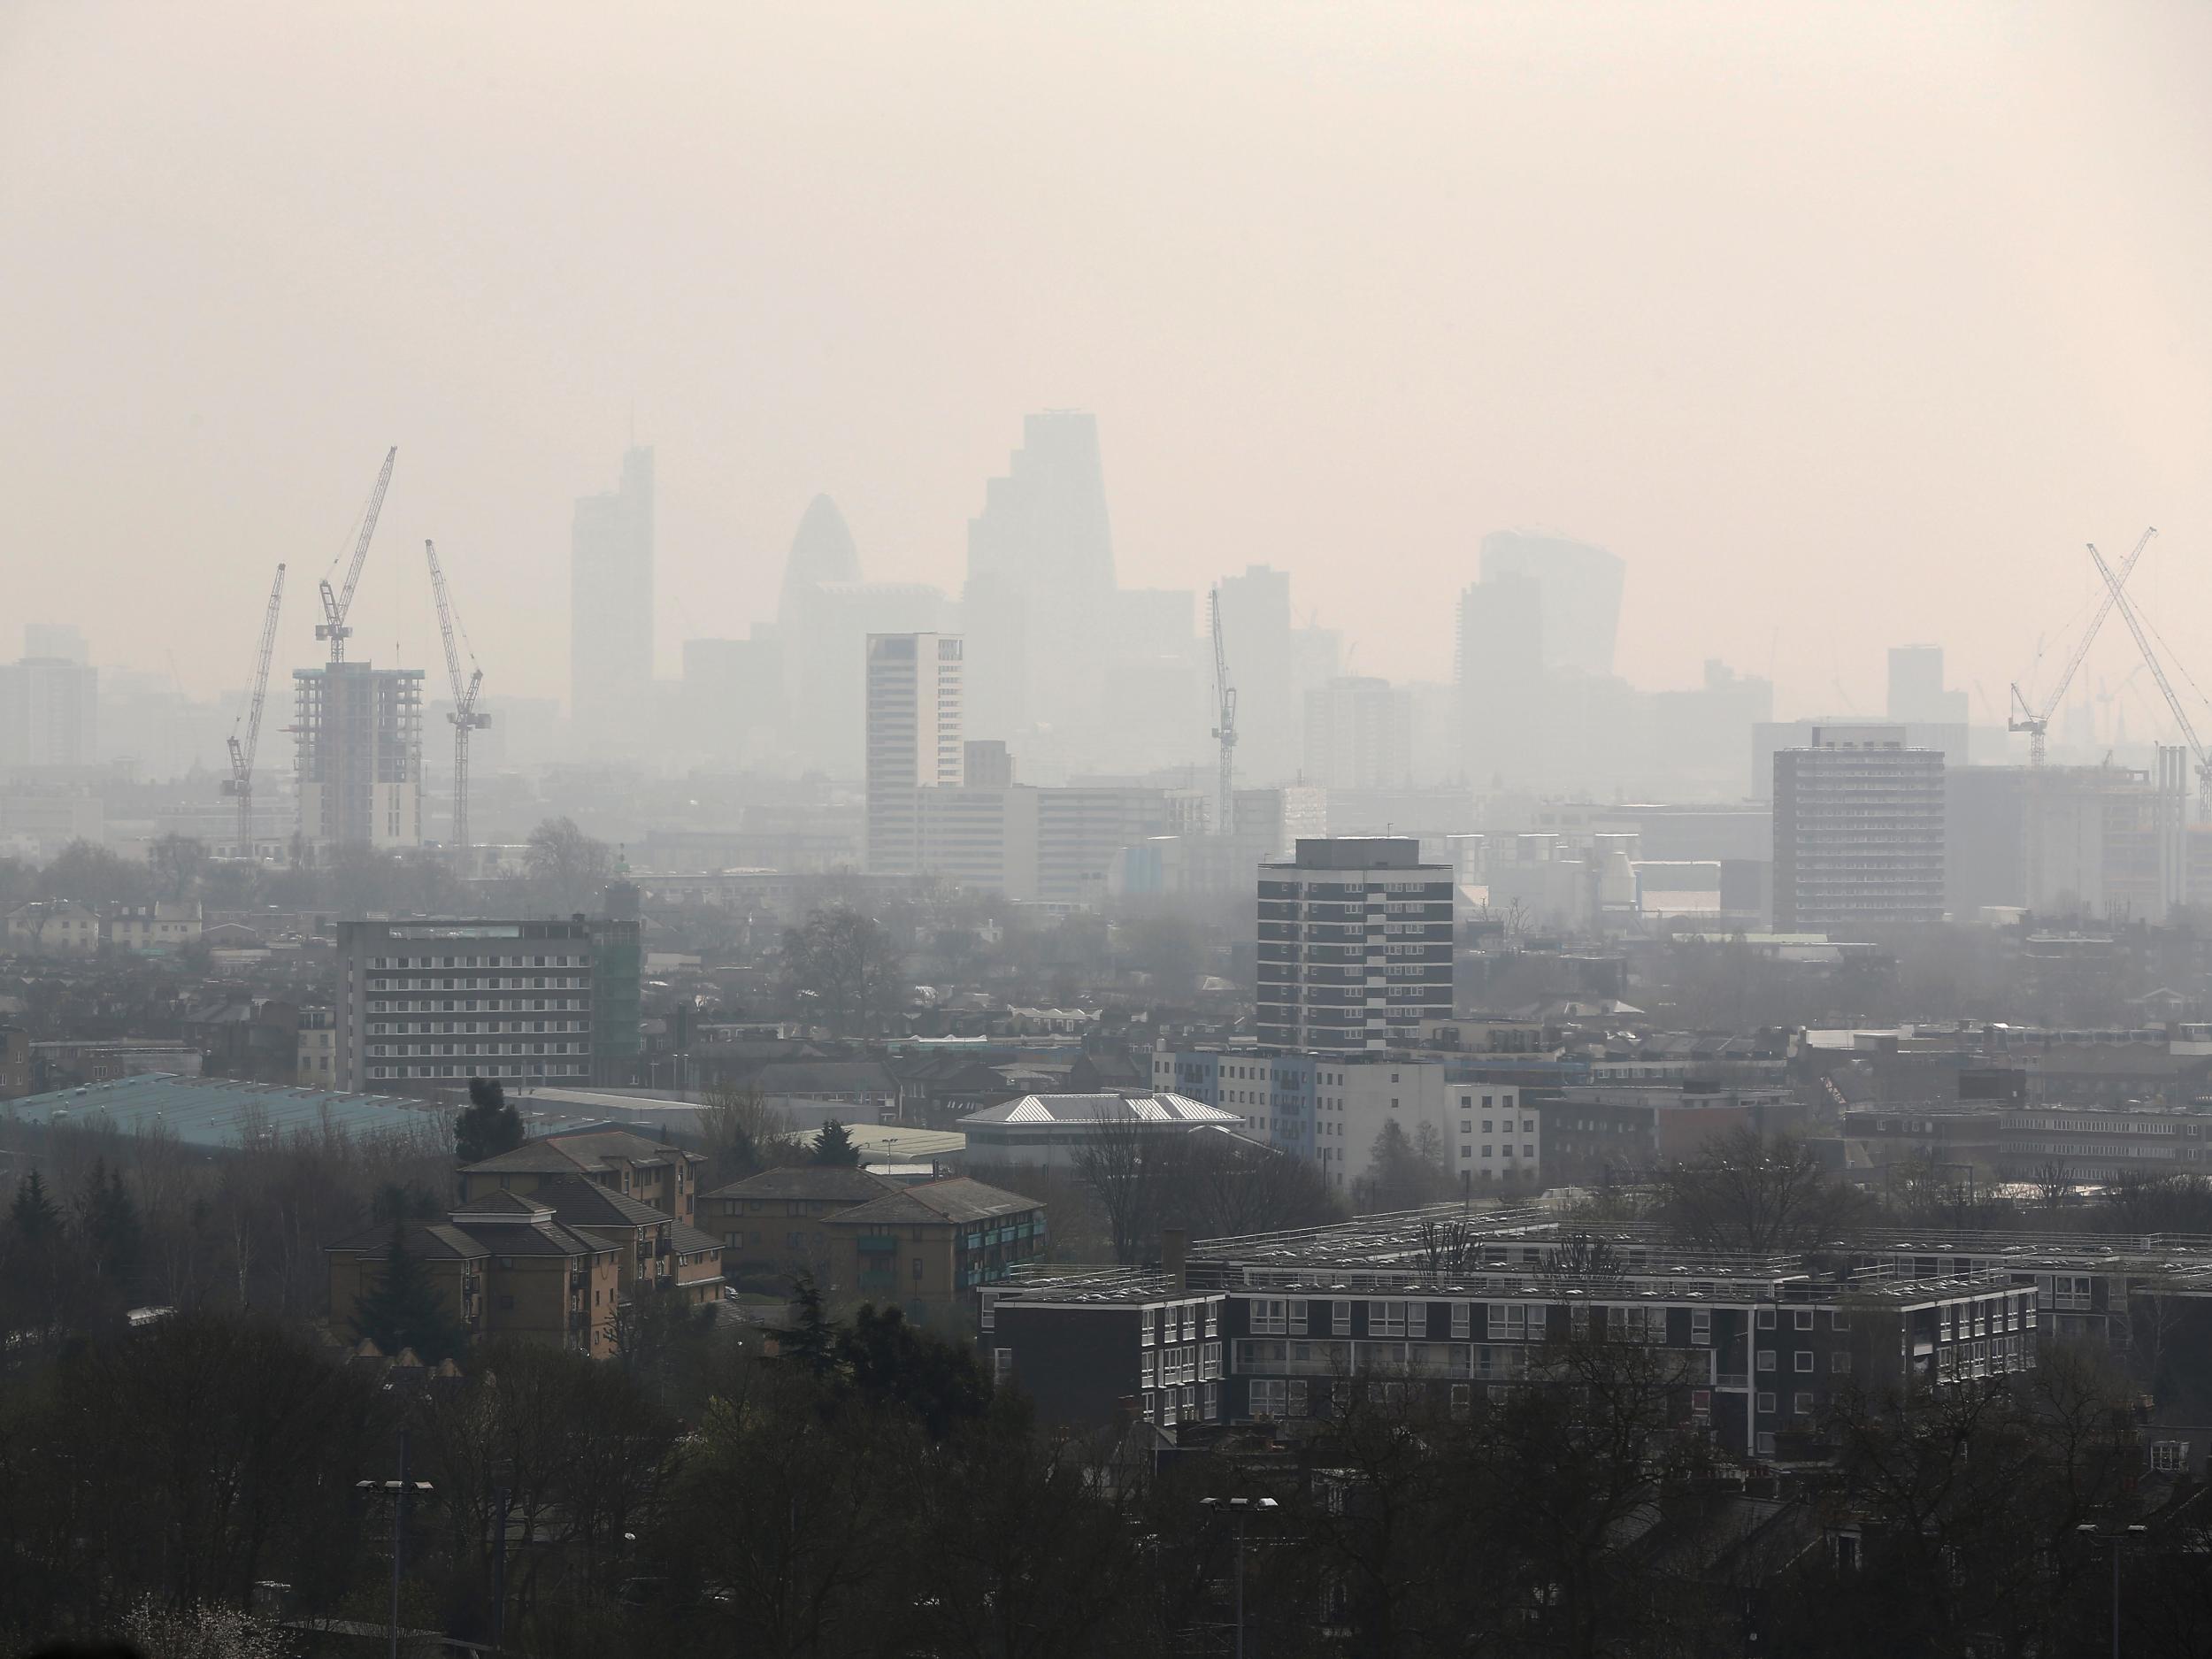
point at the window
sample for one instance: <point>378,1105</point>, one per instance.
<point>1386,1318</point>
<point>1700,1327</point>
<point>1766,1445</point>
<point>1002,1365</point>
<point>1766,1405</point>
<point>1507,1323</point>
<point>917,1269</point>
<point>1838,1361</point>
<point>1839,1320</point>
<point>1801,1319</point>
<point>1271,1317</point>
<point>1339,1319</point>
<point>1463,1399</point>
<point>1766,1359</point>
<point>1297,1319</point>
<point>2169,1457</point>
<point>1270,1397</point>
<point>1801,1403</point>
<point>1804,1360</point>
<point>1462,1319</point>
<point>1766,1318</point>
<point>1296,1402</point>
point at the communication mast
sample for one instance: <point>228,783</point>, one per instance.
<point>465,716</point>
<point>332,626</point>
<point>239,782</point>
<point>1226,729</point>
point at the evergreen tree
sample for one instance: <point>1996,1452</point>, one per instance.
<point>108,1221</point>
<point>405,1309</point>
<point>34,1217</point>
<point>835,1147</point>
<point>812,1342</point>
<point>489,1127</point>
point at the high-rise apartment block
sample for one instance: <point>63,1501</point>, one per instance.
<point>49,709</point>
<point>914,739</point>
<point>1858,831</point>
<point>359,754</point>
<point>423,1006</point>
<point>610,611</point>
<point>1355,941</point>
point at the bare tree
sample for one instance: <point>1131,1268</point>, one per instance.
<point>1752,1194</point>
<point>567,868</point>
<point>848,966</point>
<point>2053,1180</point>
<point>1122,1163</point>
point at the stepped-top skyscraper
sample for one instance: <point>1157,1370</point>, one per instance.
<point>1040,579</point>
<point>610,615</point>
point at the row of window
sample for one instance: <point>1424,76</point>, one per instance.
<point>379,963</point>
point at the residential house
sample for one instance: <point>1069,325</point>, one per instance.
<point>319,1048</point>
<point>55,928</point>
<point>157,928</point>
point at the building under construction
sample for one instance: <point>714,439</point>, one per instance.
<point>360,731</point>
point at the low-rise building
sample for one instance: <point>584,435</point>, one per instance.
<point>154,929</point>
<point>55,928</point>
<point>660,1255</point>
<point>773,1225</point>
<point>504,1266</point>
<point>663,1176</point>
<point>927,1248</point>
<point>1051,1130</point>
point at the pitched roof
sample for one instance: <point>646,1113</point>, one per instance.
<point>691,1241</point>
<point>800,1076</point>
<point>957,1200</point>
<point>579,1203</point>
<point>500,1205</point>
<point>531,1157</point>
<point>820,1181</point>
<point>429,1241</point>
<point>588,1146</point>
<point>1077,1111</point>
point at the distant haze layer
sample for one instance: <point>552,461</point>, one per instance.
<point>1842,325</point>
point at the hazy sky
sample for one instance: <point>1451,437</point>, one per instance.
<point>1848,322</point>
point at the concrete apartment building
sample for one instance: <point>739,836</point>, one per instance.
<point>1355,946</point>
<point>48,711</point>
<point>1332,1108</point>
<point>426,1005</point>
<point>358,758</point>
<point>1858,831</point>
<point>914,740</point>
<point>1299,1327</point>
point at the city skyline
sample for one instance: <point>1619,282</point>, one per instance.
<point>1432,399</point>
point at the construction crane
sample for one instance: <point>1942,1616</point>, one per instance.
<point>1225,731</point>
<point>332,626</point>
<point>239,782</point>
<point>2036,722</point>
<point>2165,686</point>
<point>464,717</point>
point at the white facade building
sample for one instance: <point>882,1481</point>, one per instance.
<point>914,740</point>
<point>1356,943</point>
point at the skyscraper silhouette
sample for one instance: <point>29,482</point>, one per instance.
<point>611,613</point>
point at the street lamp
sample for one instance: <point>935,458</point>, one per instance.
<point>1242,1507</point>
<point>2116,1538</point>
